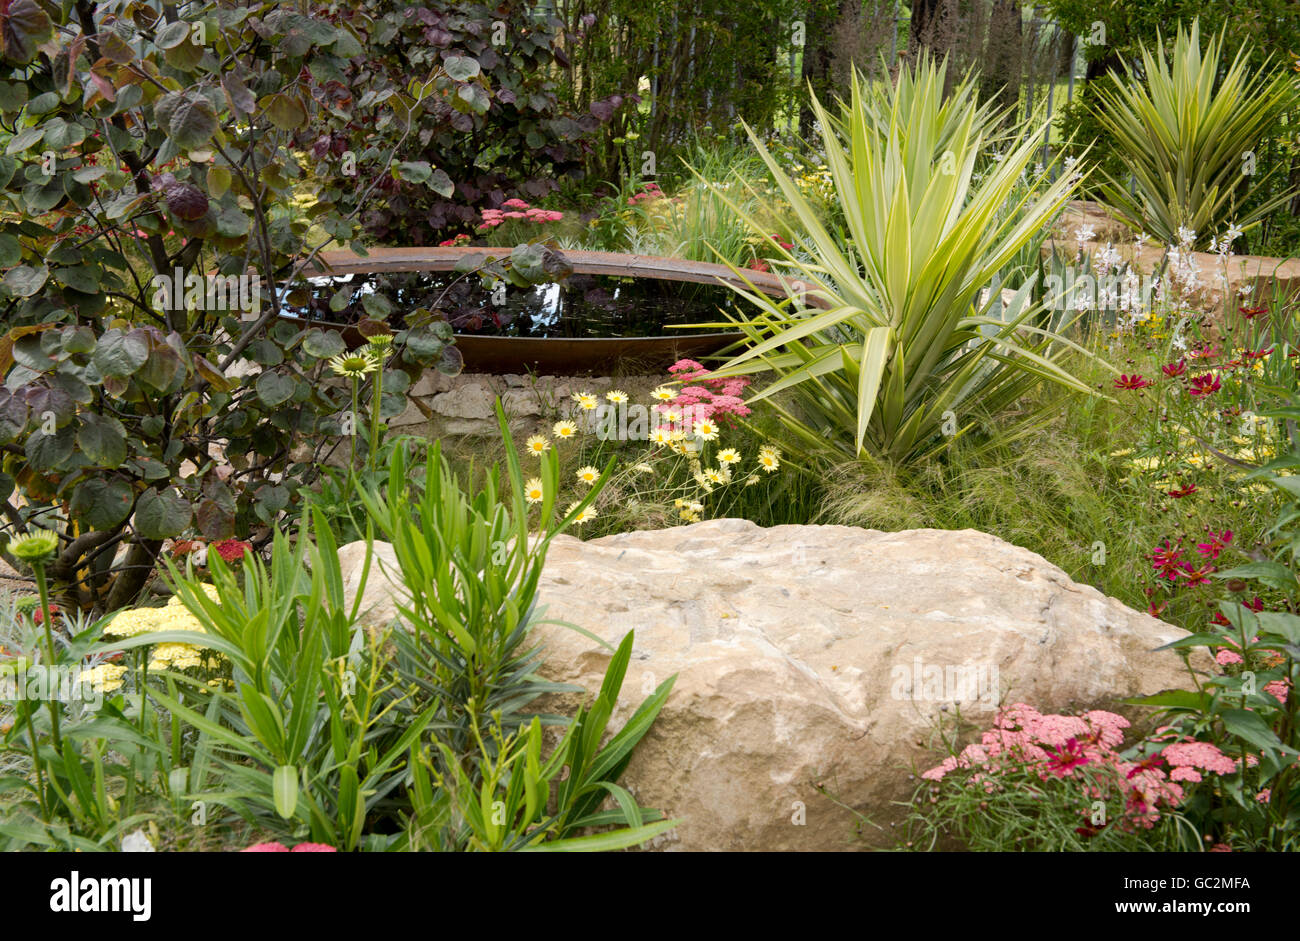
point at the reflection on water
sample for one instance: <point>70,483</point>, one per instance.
<point>581,306</point>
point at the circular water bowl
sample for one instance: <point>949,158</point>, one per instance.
<point>614,308</point>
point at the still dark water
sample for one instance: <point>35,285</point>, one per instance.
<point>581,306</point>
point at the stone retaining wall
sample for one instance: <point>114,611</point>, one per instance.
<point>443,406</point>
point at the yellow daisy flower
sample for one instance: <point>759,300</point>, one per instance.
<point>728,456</point>
<point>533,491</point>
<point>537,445</point>
<point>713,475</point>
<point>769,459</point>
<point>565,429</point>
<point>586,401</point>
<point>616,396</point>
<point>588,475</point>
<point>664,394</point>
<point>587,514</point>
<point>660,436</point>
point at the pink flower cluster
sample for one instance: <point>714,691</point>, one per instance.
<point>462,239</point>
<point>705,397</point>
<point>1026,741</point>
<point>1185,758</point>
<point>281,848</point>
<point>649,193</point>
<point>517,209</point>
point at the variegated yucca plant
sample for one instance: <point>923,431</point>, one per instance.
<point>1188,136</point>
<point>894,338</point>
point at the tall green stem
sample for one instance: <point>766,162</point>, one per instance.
<point>43,588</point>
<point>376,404</point>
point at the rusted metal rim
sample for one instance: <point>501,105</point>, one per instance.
<point>616,264</point>
<point>562,355</point>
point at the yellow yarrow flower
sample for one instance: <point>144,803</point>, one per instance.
<point>104,678</point>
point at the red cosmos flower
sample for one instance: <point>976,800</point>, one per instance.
<point>1205,384</point>
<point>1217,543</point>
<point>1250,313</point>
<point>1070,756</point>
<point>1149,763</point>
<point>1167,560</point>
<point>1131,382</point>
<point>1257,354</point>
<point>1180,492</point>
<point>1175,369</point>
<point>1197,576</point>
<point>1255,604</point>
<point>1155,610</point>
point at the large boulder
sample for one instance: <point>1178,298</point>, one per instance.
<point>815,660</point>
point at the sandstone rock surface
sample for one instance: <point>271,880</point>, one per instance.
<point>811,657</point>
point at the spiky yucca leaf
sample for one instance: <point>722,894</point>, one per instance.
<point>1185,134</point>
<point>909,340</point>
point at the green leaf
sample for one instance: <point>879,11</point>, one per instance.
<point>24,140</point>
<point>475,97</point>
<point>285,790</point>
<point>1173,699</point>
<point>13,95</point>
<point>413,171</point>
<point>376,305</point>
<point>275,389</point>
<point>461,68</point>
<point>442,184</point>
<point>604,842</point>
<point>323,344</point>
<point>285,111</point>
<point>25,280</point>
<point>48,452</point>
<point>162,515</point>
<point>1270,573</point>
<point>101,504</point>
<point>1250,727</point>
<point>173,34</point>
<point>83,278</point>
<point>191,119</point>
<point>119,354</point>
<point>102,439</point>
